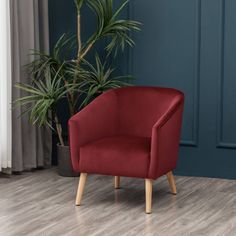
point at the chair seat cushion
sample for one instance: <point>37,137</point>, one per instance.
<point>116,156</point>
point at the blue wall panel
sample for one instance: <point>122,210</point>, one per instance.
<point>227,87</point>
<point>189,45</point>
<point>167,52</point>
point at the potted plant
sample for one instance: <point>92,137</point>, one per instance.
<point>55,76</point>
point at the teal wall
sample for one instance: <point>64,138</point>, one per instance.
<point>190,45</point>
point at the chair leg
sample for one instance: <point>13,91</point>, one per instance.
<point>171,181</point>
<point>82,180</point>
<point>148,189</point>
<point>117,182</point>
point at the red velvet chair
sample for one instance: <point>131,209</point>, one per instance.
<point>131,132</point>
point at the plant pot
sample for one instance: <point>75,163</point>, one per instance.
<point>64,162</point>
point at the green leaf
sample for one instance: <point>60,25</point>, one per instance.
<point>43,96</point>
<point>110,26</point>
<point>100,79</point>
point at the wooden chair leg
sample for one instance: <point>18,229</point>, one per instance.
<point>148,189</point>
<point>171,181</point>
<point>82,180</point>
<point>117,182</point>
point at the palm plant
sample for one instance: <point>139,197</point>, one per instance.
<point>44,95</point>
<point>56,76</point>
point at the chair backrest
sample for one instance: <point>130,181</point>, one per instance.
<point>139,108</point>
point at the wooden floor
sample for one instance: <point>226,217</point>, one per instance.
<point>42,203</point>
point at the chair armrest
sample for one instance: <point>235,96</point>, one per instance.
<point>95,121</point>
<point>165,141</point>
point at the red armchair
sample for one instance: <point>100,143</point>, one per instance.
<point>131,132</point>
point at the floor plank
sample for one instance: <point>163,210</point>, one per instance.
<point>43,203</point>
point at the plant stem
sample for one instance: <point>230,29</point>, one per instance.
<point>59,130</point>
<point>79,55</point>
<point>87,49</point>
<point>71,107</point>
<point>79,35</point>
<point>71,96</point>
<point>70,99</point>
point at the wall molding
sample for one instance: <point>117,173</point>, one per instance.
<point>196,85</point>
<point>220,143</point>
<point>196,88</point>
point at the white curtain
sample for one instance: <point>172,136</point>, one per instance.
<point>5,86</point>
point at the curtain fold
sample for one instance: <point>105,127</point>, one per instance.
<point>31,145</point>
<point>5,86</point>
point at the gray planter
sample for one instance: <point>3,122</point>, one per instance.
<point>64,162</point>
